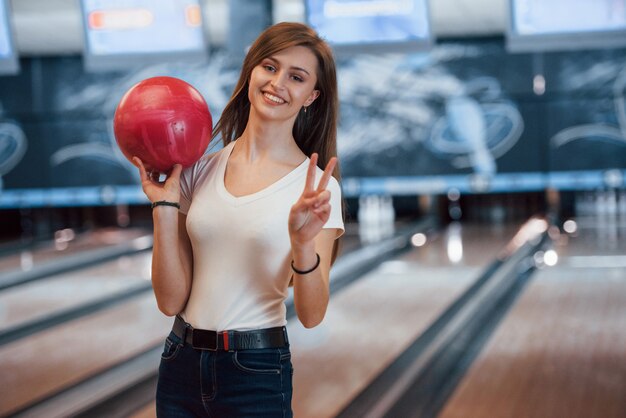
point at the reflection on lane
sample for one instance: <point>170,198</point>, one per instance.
<point>49,361</point>
<point>22,304</point>
<point>67,242</point>
<point>561,350</point>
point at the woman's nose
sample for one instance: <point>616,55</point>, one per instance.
<point>278,81</point>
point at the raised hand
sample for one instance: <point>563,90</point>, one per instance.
<point>156,190</point>
<point>309,214</point>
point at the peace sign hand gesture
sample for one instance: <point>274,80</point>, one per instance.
<point>309,214</point>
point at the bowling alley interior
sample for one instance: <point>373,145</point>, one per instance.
<point>481,146</point>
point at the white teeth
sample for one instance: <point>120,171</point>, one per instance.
<point>273,98</point>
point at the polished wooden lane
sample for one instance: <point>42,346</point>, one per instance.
<point>36,300</point>
<point>66,244</point>
<point>44,363</point>
<point>561,351</point>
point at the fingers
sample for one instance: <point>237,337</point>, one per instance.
<point>309,186</point>
<point>328,172</point>
<point>155,175</point>
<point>144,173</point>
<point>173,178</point>
<point>322,210</point>
<point>175,174</point>
<point>142,170</point>
<point>318,200</point>
<point>310,176</point>
<point>319,206</point>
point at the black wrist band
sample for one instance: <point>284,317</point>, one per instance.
<point>306,271</point>
<point>165,203</point>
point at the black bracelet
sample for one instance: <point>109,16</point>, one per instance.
<point>165,203</point>
<point>306,271</point>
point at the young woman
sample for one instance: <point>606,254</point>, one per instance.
<point>252,218</point>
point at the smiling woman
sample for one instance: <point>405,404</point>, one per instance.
<point>263,213</point>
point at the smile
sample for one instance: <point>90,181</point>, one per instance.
<point>273,98</point>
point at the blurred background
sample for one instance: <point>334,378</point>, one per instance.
<point>482,145</point>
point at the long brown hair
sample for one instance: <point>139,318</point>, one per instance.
<point>314,130</point>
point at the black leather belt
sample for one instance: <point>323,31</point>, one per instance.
<point>203,339</point>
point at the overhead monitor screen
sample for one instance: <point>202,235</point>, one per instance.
<point>566,24</point>
<point>8,58</point>
<point>121,33</point>
<point>371,24</point>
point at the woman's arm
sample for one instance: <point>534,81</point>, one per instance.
<point>172,258</point>
<point>306,220</point>
<point>311,291</point>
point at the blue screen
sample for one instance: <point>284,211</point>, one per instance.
<point>535,17</point>
<point>544,25</point>
<point>143,26</point>
<point>6,49</point>
<point>355,22</point>
<point>9,63</point>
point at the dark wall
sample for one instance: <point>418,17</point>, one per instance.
<point>466,107</point>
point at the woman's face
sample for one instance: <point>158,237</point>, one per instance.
<point>281,84</point>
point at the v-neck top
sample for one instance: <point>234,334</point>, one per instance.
<point>290,177</point>
<point>241,246</point>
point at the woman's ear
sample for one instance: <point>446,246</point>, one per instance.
<point>314,95</point>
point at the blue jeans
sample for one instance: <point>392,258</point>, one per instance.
<point>223,384</point>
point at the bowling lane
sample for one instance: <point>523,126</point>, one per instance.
<point>31,301</point>
<point>376,318</point>
<point>68,242</point>
<point>54,359</point>
<point>561,351</point>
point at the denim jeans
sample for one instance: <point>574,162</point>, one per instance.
<point>223,384</point>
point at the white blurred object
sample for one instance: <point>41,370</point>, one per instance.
<point>26,260</point>
<point>570,226</point>
<point>418,240</point>
<point>62,237</point>
<point>376,218</point>
<point>454,243</point>
<point>468,123</point>
<point>550,258</point>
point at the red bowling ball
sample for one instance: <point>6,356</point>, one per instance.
<point>163,121</point>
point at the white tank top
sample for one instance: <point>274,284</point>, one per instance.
<point>241,246</point>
